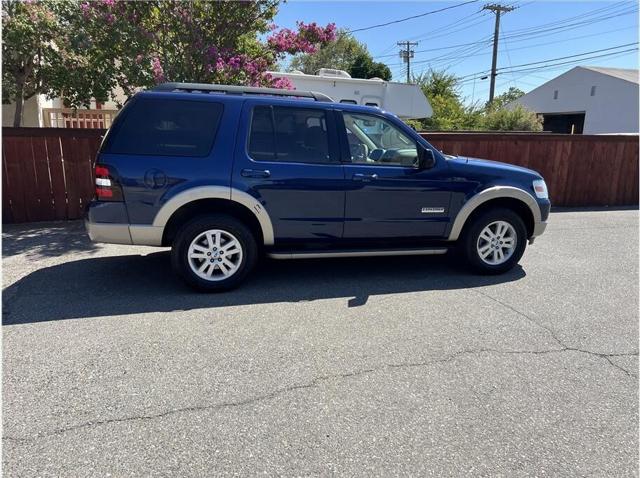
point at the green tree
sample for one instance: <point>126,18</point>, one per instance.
<point>84,50</point>
<point>363,66</point>
<point>517,118</point>
<point>345,53</point>
<point>505,98</point>
<point>449,112</point>
<point>34,47</point>
<point>339,54</point>
<point>144,43</point>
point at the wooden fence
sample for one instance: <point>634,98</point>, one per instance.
<point>580,170</point>
<point>47,173</point>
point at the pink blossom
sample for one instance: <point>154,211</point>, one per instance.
<point>158,72</point>
<point>283,83</point>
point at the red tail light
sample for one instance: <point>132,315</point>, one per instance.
<point>107,189</point>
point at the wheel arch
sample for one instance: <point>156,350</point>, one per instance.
<point>509,197</point>
<point>214,199</point>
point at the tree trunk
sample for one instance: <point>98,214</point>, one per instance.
<point>17,118</point>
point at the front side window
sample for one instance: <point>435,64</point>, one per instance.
<point>167,128</point>
<point>285,134</point>
<point>374,140</point>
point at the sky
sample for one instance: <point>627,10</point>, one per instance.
<point>459,39</point>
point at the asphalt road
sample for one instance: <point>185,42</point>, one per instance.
<point>368,367</point>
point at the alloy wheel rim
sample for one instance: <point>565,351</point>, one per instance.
<point>497,242</point>
<point>215,255</point>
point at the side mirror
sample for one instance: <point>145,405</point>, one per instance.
<point>426,158</point>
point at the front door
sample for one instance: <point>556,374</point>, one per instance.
<point>287,157</point>
<point>388,196</point>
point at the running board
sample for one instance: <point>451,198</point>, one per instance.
<point>358,253</point>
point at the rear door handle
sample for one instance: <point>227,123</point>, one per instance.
<point>255,173</point>
<point>364,177</point>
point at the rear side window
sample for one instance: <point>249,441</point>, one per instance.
<point>167,128</point>
<point>289,134</point>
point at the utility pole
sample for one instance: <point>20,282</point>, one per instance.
<point>497,9</point>
<point>406,54</point>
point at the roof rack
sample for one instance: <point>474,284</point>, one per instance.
<point>240,90</point>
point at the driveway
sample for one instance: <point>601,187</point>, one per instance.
<point>368,367</point>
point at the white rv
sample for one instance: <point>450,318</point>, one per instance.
<point>405,100</point>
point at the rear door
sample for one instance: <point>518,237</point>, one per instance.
<point>387,195</point>
<point>287,157</point>
<point>163,141</point>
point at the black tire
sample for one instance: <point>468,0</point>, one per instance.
<point>197,226</point>
<point>471,234</point>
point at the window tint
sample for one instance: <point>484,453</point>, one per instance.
<point>262,142</point>
<point>374,140</point>
<point>289,134</point>
<point>167,127</point>
<point>371,104</point>
<point>349,102</point>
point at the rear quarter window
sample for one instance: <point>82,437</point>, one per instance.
<point>166,128</point>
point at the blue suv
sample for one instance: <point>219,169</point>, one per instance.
<point>223,174</point>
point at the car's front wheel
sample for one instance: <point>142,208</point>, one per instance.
<point>494,241</point>
<point>214,252</point>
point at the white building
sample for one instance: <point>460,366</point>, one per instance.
<point>587,100</point>
<point>40,111</point>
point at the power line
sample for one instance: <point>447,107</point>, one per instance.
<point>559,58</point>
<point>412,17</point>
<point>535,32</point>
<point>516,68</point>
<point>529,72</point>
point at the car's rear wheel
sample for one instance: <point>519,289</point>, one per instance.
<point>214,252</point>
<point>494,241</point>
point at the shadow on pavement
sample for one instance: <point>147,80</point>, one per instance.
<point>122,285</point>
<point>45,239</point>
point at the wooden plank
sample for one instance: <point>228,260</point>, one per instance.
<point>71,175</point>
<point>629,172</point>
<point>27,166</point>
<point>85,171</point>
<point>15,179</point>
<point>616,160</point>
<point>556,182</point>
<point>7,215</point>
<point>42,191</point>
<point>56,168</point>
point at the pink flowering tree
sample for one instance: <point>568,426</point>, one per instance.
<point>140,44</point>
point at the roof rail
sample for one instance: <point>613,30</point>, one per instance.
<point>239,90</point>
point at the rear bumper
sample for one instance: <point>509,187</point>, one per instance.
<point>106,232</point>
<point>109,222</point>
<point>139,235</point>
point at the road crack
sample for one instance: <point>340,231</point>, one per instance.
<point>563,346</point>
<point>316,382</point>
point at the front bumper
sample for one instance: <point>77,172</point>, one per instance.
<point>538,229</point>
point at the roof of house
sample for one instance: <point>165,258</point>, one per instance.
<point>621,73</point>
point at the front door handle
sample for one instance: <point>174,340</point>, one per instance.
<point>364,177</point>
<point>255,173</point>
